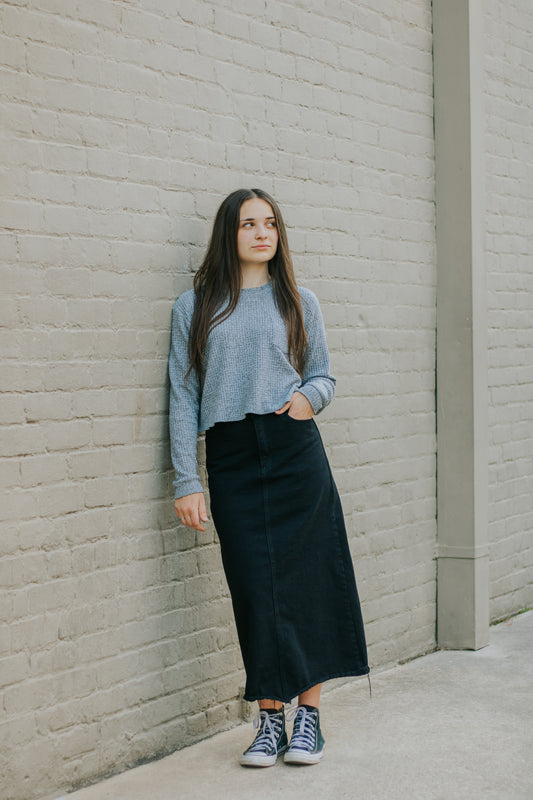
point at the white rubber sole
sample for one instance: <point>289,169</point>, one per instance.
<point>301,757</point>
<point>256,760</point>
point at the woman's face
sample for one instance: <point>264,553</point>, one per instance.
<point>257,238</point>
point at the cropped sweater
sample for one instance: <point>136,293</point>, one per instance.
<point>246,370</point>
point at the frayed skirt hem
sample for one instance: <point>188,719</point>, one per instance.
<point>288,699</point>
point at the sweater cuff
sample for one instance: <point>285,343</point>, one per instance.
<point>188,486</point>
<point>313,395</point>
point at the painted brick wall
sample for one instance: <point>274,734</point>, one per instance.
<point>125,123</point>
<point>509,238</point>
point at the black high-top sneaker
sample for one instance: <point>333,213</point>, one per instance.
<point>270,740</point>
<point>307,743</point>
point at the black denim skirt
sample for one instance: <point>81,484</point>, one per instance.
<point>279,520</point>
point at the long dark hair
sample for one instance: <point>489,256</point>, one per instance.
<point>219,280</point>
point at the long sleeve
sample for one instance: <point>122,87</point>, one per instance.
<point>318,385</point>
<point>184,401</point>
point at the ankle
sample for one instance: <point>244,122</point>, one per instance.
<point>270,705</point>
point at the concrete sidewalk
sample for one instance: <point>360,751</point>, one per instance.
<point>453,725</point>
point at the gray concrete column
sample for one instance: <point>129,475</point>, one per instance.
<point>462,593</point>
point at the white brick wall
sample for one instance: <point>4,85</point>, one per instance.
<point>124,126</point>
<point>509,164</point>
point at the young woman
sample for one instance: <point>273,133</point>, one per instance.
<point>249,365</point>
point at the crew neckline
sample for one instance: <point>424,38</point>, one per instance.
<point>256,288</point>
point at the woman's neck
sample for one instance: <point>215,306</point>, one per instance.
<point>253,276</point>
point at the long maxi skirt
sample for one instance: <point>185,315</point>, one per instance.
<point>279,520</point>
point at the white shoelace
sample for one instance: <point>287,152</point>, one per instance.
<point>303,736</point>
<point>269,729</point>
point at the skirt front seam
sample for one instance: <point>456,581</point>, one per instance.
<point>263,457</point>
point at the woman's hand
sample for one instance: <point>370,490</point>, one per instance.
<point>299,407</point>
<point>190,510</point>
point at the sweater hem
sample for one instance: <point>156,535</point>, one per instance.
<point>236,418</point>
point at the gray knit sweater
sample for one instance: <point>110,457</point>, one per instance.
<point>247,370</point>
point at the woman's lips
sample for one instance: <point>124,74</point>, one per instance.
<point>261,246</point>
